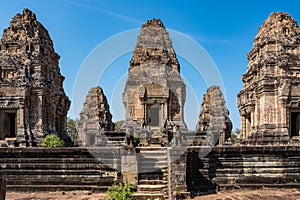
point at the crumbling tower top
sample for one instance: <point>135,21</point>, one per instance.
<point>154,46</point>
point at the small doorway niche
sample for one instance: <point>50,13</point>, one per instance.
<point>7,124</point>
<point>248,124</point>
<point>295,124</point>
<point>58,125</point>
<point>154,115</point>
<point>91,140</point>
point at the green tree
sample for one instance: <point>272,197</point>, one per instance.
<point>121,192</point>
<point>71,130</point>
<point>234,135</point>
<point>52,140</point>
<point>118,125</point>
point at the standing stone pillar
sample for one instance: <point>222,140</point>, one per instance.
<point>284,123</point>
<point>256,116</point>
<point>177,172</point>
<point>162,114</point>
<point>38,132</point>
<point>21,137</point>
<point>253,119</point>
<point>243,131</point>
<point>3,186</point>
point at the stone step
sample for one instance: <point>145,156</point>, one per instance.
<point>115,143</point>
<point>153,173</point>
<point>152,149</point>
<point>153,182</point>
<point>151,169</point>
<point>147,196</point>
<point>162,160</point>
<point>144,163</point>
<point>152,154</point>
<point>151,176</point>
<point>116,138</point>
<point>152,189</point>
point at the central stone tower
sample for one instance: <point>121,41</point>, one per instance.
<point>155,93</point>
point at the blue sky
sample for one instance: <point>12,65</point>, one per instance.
<point>225,29</point>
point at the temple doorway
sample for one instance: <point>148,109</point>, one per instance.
<point>248,124</point>
<point>7,124</point>
<point>295,124</point>
<point>154,115</point>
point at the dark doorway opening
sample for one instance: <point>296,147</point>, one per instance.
<point>295,124</point>
<point>8,124</point>
<point>12,125</point>
<point>91,140</point>
<point>153,115</point>
<point>248,124</point>
<point>58,125</point>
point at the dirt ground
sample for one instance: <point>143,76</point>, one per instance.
<point>265,194</point>
<point>70,195</point>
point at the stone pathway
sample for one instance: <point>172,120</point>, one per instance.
<point>266,194</point>
<point>71,195</point>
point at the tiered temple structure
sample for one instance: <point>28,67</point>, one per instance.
<point>32,98</point>
<point>214,121</point>
<point>155,93</point>
<point>269,103</point>
<point>94,117</point>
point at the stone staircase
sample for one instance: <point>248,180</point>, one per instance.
<point>153,174</point>
<point>60,169</point>
<point>115,138</point>
<point>111,139</point>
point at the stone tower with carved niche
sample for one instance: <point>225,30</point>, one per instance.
<point>154,91</point>
<point>32,98</point>
<point>214,120</point>
<point>94,117</point>
<point>269,103</point>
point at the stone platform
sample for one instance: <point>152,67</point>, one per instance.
<point>52,169</point>
<point>249,167</point>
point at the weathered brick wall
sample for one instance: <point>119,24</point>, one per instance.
<point>243,167</point>
<point>60,168</point>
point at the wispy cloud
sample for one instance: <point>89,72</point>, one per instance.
<point>105,11</point>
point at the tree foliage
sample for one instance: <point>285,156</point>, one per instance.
<point>71,130</point>
<point>52,140</point>
<point>121,192</point>
<point>235,135</point>
<point>118,125</point>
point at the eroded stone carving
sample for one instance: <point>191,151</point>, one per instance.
<point>32,98</point>
<point>94,117</point>
<point>272,83</point>
<point>214,118</point>
<point>154,90</point>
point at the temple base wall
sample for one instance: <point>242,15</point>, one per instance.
<point>247,167</point>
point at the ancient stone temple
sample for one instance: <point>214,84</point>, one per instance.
<point>32,98</point>
<point>214,121</point>
<point>94,117</point>
<point>269,103</point>
<point>154,92</point>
